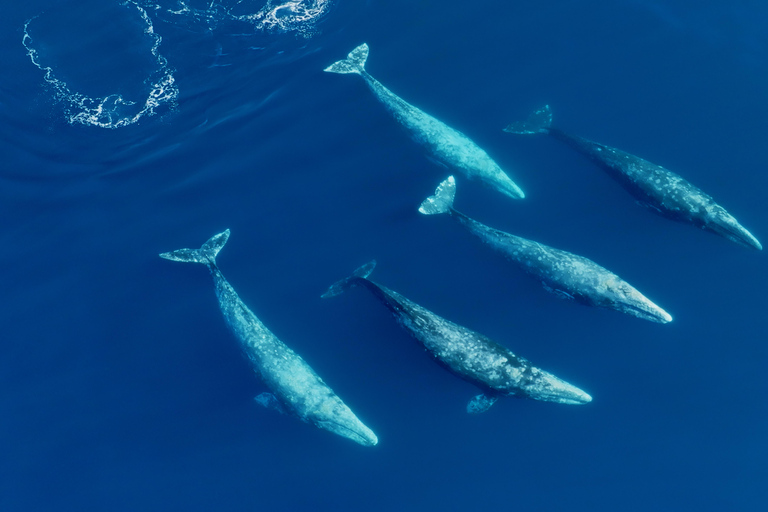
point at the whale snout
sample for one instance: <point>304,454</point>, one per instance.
<point>554,389</point>
<point>351,428</point>
<point>509,188</point>
<point>650,311</point>
<point>630,301</point>
<point>728,227</point>
<point>575,397</point>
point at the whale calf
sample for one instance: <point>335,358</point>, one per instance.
<point>652,185</point>
<point>563,273</point>
<point>448,146</point>
<point>296,389</point>
<point>465,353</point>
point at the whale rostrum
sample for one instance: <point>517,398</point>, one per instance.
<point>653,186</point>
<point>563,273</point>
<point>493,368</point>
<point>448,146</point>
<point>295,387</point>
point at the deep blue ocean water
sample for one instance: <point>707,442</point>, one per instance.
<point>132,129</point>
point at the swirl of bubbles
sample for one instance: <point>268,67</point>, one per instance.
<point>112,111</point>
<point>299,16</point>
<point>291,15</point>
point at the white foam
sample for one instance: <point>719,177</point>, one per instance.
<point>113,110</point>
<point>297,16</point>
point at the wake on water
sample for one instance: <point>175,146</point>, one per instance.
<point>115,110</point>
<point>298,16</point>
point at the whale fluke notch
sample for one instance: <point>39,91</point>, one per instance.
<point>481,403</point>
<point>442,201</point>
<point>205,255</point>
<point>538,122</point>
<point>340,286</point>
<point>354,63</point>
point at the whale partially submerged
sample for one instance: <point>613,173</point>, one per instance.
<point>493,368</point>
<point>653,186</point>
<point>560,272</point>
<point>296,389</point>
<point>448,146</point>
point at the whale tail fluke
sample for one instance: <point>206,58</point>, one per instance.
<point>442,201</point>
<point>354,63</point>
<point>340,286</point>
<point>538,122</point>
<point>205,255</point>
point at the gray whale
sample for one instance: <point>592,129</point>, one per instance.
<point>563,273</point>
<point>448,146</point>
<point>296,389</point>
<point>465,353</point>
<point>653,186</point>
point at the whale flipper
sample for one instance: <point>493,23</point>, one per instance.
<point>442,201</point>
<point>269,401</point>
<point>354,63</point>
<point>205,255</point>
<point>340,286</point>
<point>481,403</point>
<point>537,122</point>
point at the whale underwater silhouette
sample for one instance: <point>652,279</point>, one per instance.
<point>493,368</point>
<point>653,186</point>
<point>296,389</point>
<point>563,273</point>
<point>446,145</point>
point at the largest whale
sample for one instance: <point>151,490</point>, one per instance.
<point>493,368</point>
<point>296,389</point>
<point>653,186</point>
<point>563,273</point>
<point>448,146</point>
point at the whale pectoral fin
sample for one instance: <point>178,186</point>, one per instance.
<point>270,401</point>
<point>481,403</point>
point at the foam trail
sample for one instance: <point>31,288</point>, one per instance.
<point>298,16</point>
<point>111,111</point>
<point>293,15</point>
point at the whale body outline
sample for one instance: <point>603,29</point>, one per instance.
<point>653,186</point>
<point>469,355</point>
<point>448,146</point>
<point>563,273</point>
<point>296,389</point>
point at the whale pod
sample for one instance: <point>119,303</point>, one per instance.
<point>448,146</point>
<point>653,186</point>
<point>563,273</point>
<point>493,368</point>
<point>295,387</point>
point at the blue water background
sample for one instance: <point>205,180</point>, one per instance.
<point>122,389</point>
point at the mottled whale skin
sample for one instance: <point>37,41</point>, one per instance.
<point>563,273</point>
<point>448,146</point>
<point>469,355</point>
<point>652,185</point>
<point>296,389</point>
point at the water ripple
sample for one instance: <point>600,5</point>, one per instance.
<point>113,110</point>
